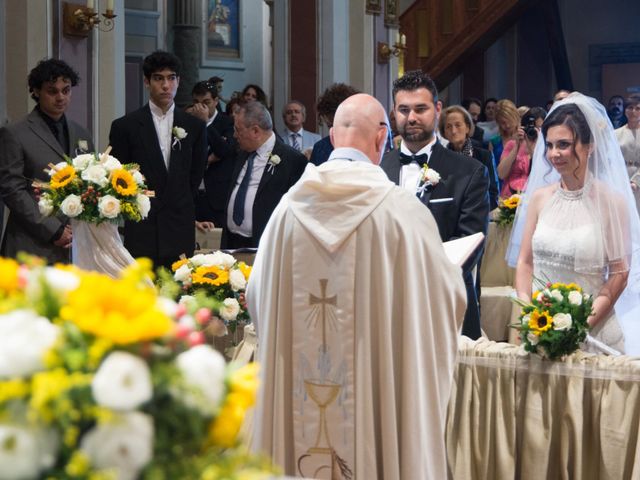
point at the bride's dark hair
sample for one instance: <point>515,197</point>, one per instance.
<point>571,117</point>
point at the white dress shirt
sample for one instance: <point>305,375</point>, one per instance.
<point>259,163</point>
<point>410,174</point>
<point>348,153</point>
<point>164,124</point>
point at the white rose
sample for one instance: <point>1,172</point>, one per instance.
<point>230,309</point>
<point>274,159</point>
<point>124,444</point>
<point>109,206</point>
<point>557,295</point>
<point>144,204</point>
<point>138,177</point>
<point>533,338</point>
<point>198,260</point>
<point>123,382</point>
<point>562,321</point>
<point>182,274</point>
<point>83,161</point>
<point>224,259</point>
<point>72,206</point>
<point>575,298</point>
<point>237,280</point>
<point>95,174</point>
<point>45,206</point>
<point>179,132</point>
<point>26,451</point>
<point>432,176</point>
<point>110,163</point>
<point>24,339</point>
<point>83,145</point>
<point>203,370</point>
<point>526,318</point>
<point>56,167</point>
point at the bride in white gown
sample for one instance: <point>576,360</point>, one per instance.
<point>578,221</point>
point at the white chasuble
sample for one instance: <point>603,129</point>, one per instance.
<point>323,368</point>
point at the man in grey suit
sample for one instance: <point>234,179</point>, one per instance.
<point>294,114</point>
<point>26,148</point>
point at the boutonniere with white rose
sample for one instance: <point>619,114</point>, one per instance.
<point>273,162</point>
<point>179,134</point>
<point>82,146</point>
<point>429,178</point>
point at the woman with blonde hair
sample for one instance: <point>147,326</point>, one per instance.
<point>517,148</point>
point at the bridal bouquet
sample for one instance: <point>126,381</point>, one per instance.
<point>96,383</point>
<point>507,210</point>
<point>95,188</point>
<point>555,322</point>
<point>218,276</point>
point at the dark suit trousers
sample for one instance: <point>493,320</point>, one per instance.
<point>471,324</point>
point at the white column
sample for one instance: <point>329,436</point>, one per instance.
<point>281,59</point>
<point>334,40</point>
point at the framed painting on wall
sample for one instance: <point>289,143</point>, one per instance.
<point>220,31</point>
<point>374,6</point>
<point>391,13</point>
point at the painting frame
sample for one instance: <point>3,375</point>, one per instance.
<point>374,7</point>
<point>391,14</point>
<point>221,34</point>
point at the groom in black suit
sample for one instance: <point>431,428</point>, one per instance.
<point>459,198</point>
<point>264,171</point>
<point>171,148</point>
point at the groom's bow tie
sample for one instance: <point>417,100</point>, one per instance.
<point>407,159</point>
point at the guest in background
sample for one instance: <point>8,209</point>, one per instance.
<point>456,125</point>
<point>264,171</point>
<point>253,92</point>
<point>232,105</point>
<point>629,139</point>
<point>515,161</point>
<point>474,107</point>
<point>561,95</point>
<point>220,155</point>
<point>218,82</point>
<point>328,103</point>
<point>172,164</point>
<point>27,147</point>
<point>616,111</point>
<point>294,114</point>
<point>487,120</point>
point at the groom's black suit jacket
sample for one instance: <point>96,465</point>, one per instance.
<point>460,206</point>
<point>273,185</point>
<point>169,230</point>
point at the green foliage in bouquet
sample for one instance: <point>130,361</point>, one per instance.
<point>555,323</point>
<point>95,188</point>
<point>97,383</point>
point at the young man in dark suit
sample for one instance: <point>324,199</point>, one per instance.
<point>171,148</point>
<point>459,198</point>
<point>264,171</point>
<point>26,148</point>
<point>221,153</point>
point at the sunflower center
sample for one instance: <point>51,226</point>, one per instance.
<point>542,321</point>
<point>121,182</point>
<point>210,275</point>
<point>65,177</point>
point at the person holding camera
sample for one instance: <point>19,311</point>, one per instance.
<point>519,139</point>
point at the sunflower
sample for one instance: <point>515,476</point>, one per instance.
<point>210,276</point>
<point>245,269</point>
<point>63,177</point>
<point>176,265</point>
<point>512,202</point>
<point>540,322</point>
<point>123,182</point>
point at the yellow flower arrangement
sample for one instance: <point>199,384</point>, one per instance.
<point>212,275</point>
<point>63,177</point>
<point>123,182</point>
<point>507,209</point>
<point>9,276</point>
<point>48,386</point>
<point>13,389</point>
<point>540,322</point>
<point>245,269</point>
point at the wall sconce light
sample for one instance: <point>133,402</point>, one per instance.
<point>79,20</point>
<point>385,51</point>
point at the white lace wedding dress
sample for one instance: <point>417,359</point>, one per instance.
<point>563,230</point>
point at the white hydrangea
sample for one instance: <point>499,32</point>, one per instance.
<point>123,382</point>
<point>203,370</point>
<point>24,338</point>
<point>237,280</point>
<point>72,206</point>
<point>124,444</point>
<point>95,174</point>
<point>83,161</point>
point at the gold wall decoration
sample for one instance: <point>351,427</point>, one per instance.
<point>391,13</point>
<point>374,6</point>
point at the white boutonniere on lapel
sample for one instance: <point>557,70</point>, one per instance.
<point>429,178</point>
<point>179,133</point>
<point>273,161</point>
<point>82,146</point>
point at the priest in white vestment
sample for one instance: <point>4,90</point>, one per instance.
<point>358,313</point>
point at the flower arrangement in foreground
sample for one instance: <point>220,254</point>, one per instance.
<point>95,188</point>
<point>221,277</point>
<point>554,324</point>
<point>96,383</point>
<point>507,209</point>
